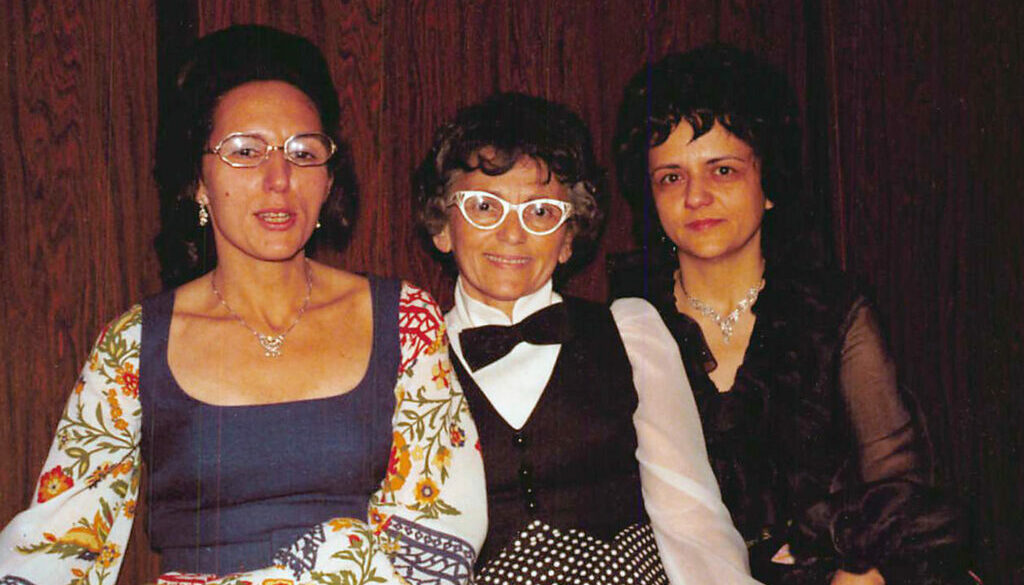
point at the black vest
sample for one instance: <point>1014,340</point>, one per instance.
<point>573,464</point>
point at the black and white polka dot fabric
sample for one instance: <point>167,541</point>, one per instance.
<point>542,555</point>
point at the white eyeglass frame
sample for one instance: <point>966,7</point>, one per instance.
<point>271,148</point>
<point>458,199</point>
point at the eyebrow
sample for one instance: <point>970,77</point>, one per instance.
<point>501,195</point>
<point>719,159</point>
<point>665,166</point>
<point>710,161</point>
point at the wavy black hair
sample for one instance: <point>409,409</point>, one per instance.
<point>511,126</point>
<point>708,85</point>
<point>216,64</point>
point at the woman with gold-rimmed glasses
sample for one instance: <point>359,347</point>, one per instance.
<point>297,421</point>
<point>565,394</point>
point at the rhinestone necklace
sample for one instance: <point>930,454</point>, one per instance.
<point>271,344</point>
<point>727,322</point>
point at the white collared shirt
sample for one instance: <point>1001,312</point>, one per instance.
<point>514,383</point>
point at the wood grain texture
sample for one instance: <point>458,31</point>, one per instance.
<point>914,174</point>
<point>79,205</point>
<point>925,162</point>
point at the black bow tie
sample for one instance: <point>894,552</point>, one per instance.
<point>484,345</point>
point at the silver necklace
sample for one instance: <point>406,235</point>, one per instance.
<point>727,322</point>
<point>271,344</point>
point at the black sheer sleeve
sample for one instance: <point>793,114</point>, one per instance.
<point>894,520</point>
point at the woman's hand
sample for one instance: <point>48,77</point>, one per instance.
<point>872,577</point>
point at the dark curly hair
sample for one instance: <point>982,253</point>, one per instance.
<point>708,85</point>
<point>216,64</point>
<point>515,125</point>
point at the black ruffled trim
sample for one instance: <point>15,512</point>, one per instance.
<point>781,444</point>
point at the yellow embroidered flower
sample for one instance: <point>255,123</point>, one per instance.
<point>53,483</point>
<point>129,508</point>
<point>438,342</point>
<point>124,467</point>
<point>443,457</point>
<point>398,464</point>
<point>115,405</point>
<point>426,491</point>
<point>108,555</point>
<point>339,524</point>
<point>94,361</point>
<point>417,453</point>
<point>378,520</point>
<point>128,378</point>
<point>278,582</point>
<point>79,386</point>
<point>88,537</point>
<point>440,374</point>
<point>389,545</point>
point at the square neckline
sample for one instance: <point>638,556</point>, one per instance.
<point>376,351</point>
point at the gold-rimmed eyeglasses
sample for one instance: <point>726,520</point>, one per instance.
<point>486,211</point>
<point>242,150</point>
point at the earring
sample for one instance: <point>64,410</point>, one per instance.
<point>204,215</point>
<point>668,243</point>
<point>317,224</point>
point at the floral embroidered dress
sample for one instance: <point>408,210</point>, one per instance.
<point>423,524</point>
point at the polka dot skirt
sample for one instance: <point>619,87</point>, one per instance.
<point>542,555</point>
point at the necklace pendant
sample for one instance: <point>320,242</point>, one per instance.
<point>271,344</point>
<point>726,331</point>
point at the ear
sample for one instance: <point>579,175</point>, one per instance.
<point>566,251</point>
<point>443,240</point>
<point>327,192</point>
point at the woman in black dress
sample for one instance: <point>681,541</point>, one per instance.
<point>820,455</point>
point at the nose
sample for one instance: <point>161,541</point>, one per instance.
<point>277,172</point>
<point>697,194</point>
<point>511,230</point>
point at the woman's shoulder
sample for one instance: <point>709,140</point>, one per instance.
<point>817,290</point>
<point>639,273</point>
<point>127,323</point>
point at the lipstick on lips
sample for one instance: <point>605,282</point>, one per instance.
<point>275,219</point>
<point>699,225</point>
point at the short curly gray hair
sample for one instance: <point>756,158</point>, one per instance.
<point>514,125</point>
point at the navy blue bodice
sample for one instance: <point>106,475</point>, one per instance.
<point>230,485</point>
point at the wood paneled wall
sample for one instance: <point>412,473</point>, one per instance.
<point>926,110</point>
<point>912,109</point>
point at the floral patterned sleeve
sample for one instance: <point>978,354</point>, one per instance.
<point>78,525</point>
<point>428,518</point>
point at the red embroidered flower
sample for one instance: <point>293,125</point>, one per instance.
<point>53,483</point>
<point>354,540</point>
<point>128,378</point>
<point>398,464</point>
<point>458,435</point>
<point>440,375</point>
